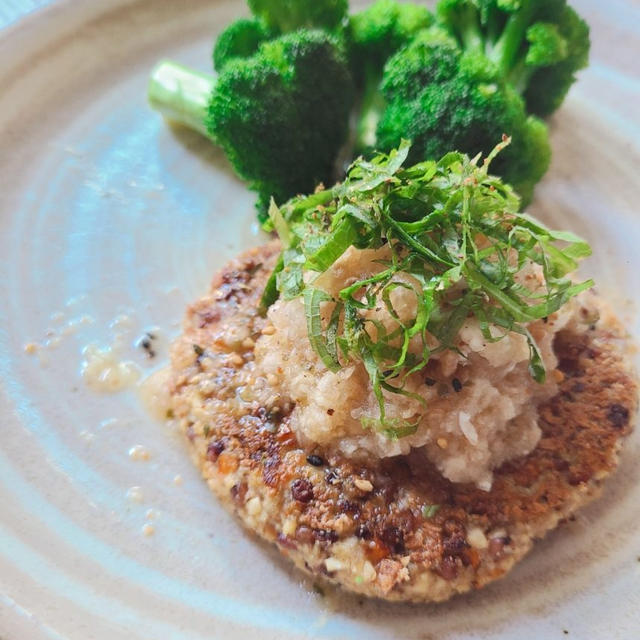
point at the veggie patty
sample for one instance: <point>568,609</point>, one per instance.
<point>386,528</point>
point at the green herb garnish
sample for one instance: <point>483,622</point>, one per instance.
<point>430,510</point>
<point>450,226</point>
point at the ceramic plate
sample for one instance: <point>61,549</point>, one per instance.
<point>110,223</point>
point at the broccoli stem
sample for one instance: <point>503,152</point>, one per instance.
<point>493,28</point>
<point>520,75</point>
<point>470,32</point>
<point>370,111</point>
<point>181,94</point>
<point>508,46</point>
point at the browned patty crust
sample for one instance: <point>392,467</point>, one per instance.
<point>369,526</point>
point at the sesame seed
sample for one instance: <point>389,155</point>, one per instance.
<point>333,564</point>
<point>236,359</point>
<point>253,506</point>
<point>477,539</point>
<point>368,572</point>
<point>363,485</point>
<point>289,526</point>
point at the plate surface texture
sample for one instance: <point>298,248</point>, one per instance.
<point>110,223</point>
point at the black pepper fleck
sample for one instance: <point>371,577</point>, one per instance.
<point>430,382</point>
<point>146,343</point>
<point>199,351</point>
<point>457,385</point>
<point>363,532</point>
<point>315,460</point>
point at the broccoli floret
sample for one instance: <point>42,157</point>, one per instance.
<point>288,15</point>
<point>442,98</point>
<point>281,116</point>
<point>273,18</point>
<point>380,30</point>
<point>538,45</point>
<point>241,39</point>
<point>372,36</point>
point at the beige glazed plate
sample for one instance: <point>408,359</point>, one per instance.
<point>110,223</point>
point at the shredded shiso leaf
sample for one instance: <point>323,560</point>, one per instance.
<point>451,226</point>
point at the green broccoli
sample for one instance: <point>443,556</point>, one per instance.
<point>281,116</point>
<point>538,45</point>
<point>273,18</point>
<point>283,16</point>
<point>372,36</point>
<point>281,107</point>
<point>241,39</point>
<point>379,31</point>
<point>443,98</point>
